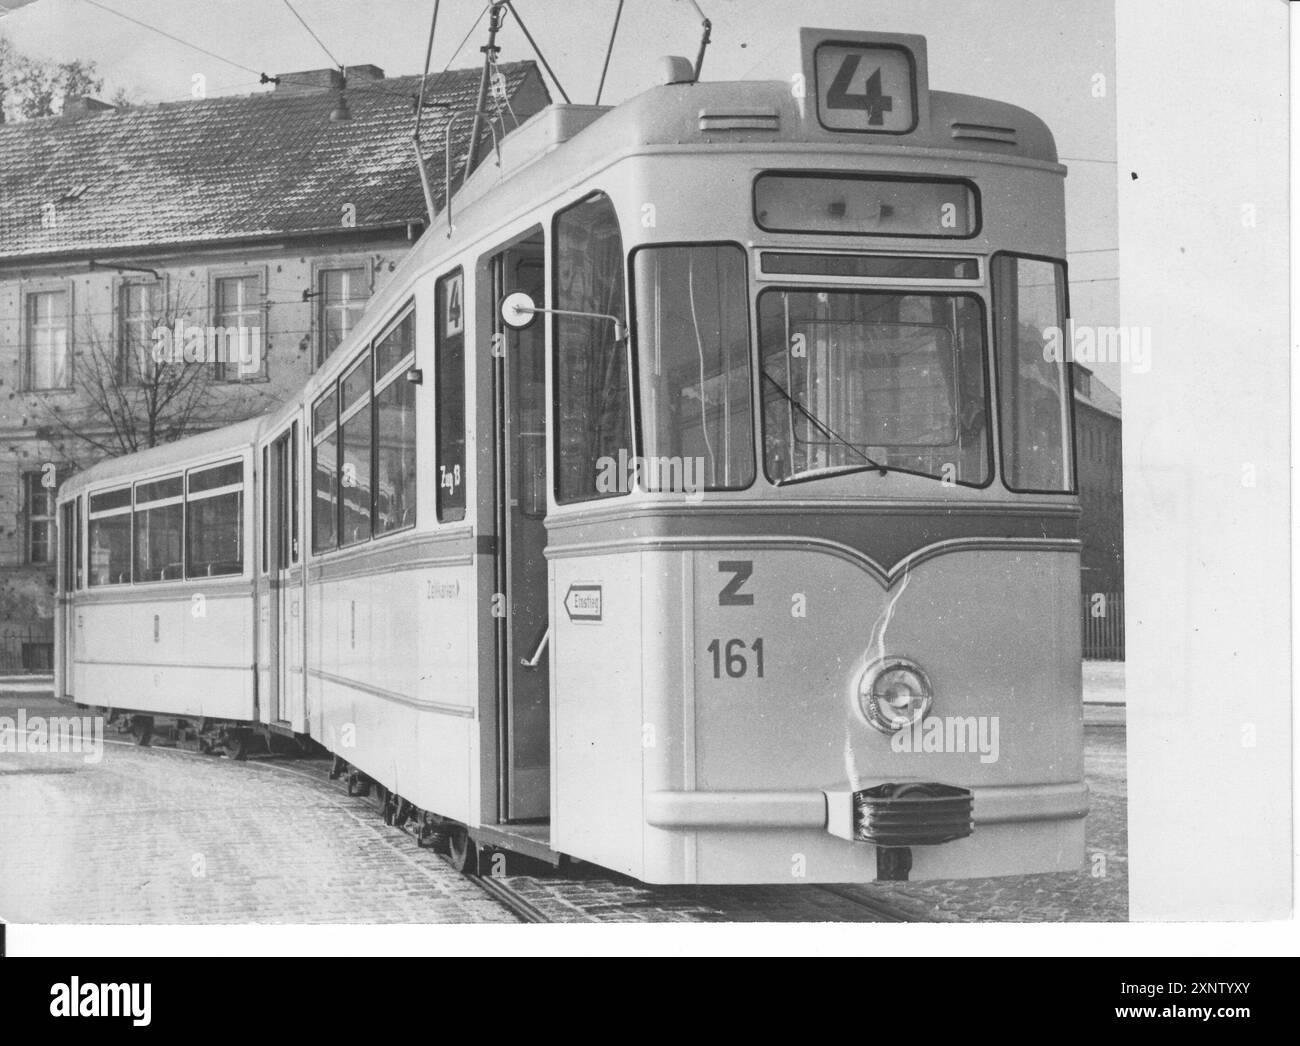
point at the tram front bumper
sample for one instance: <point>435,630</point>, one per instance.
<point>841,811</point>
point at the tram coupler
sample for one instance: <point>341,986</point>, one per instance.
<point>893,864</point>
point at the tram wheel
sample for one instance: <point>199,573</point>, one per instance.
<point>236,747</point>
<point>462,851</point>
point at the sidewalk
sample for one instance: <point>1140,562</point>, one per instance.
<point>1104,697</point>
<point>27,684</point>
<point>1103,683</point>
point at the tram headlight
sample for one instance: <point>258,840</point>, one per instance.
<point>893,693</point>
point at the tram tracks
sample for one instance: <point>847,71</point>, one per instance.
<point>500,891</point>
<point>884,910</point>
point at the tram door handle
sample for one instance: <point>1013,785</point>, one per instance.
<point>531,662</point>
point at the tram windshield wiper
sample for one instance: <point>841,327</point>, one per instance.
<point>825,430</point>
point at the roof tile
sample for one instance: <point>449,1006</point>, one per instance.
<point>227,168</point>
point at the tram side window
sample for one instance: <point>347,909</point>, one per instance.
<point>324,471</point>
<point>110,537</point>
<point>214,521</point>
<point>159,517</point>
<point>395,474</point>
<point>355,423</point>
<point>592,401</point>
<point>1034,385</point>
<point>449,410</point>
<point>692,315</point>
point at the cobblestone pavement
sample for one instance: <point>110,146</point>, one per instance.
<point>164,836</point>
<point>1098,893</point>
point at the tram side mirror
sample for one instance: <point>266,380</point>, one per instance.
<point>518,312</point>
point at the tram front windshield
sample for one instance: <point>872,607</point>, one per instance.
<point>856,380</point>
<point>852,380</point>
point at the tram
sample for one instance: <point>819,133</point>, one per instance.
<point>697,500</point>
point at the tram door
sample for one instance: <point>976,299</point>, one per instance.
<point>523,674</point>
<point>284,646</point>
<point>69,534</point>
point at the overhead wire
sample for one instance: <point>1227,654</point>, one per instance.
<point>173,37</point>
<point>328,53</point>
<point>609,51</point>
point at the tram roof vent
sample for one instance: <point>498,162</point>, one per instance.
<point>740,118</point>
<point>674,69</point>
<point>983,132</point>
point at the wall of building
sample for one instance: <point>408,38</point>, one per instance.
<point>1101,495</point>
<point>32,434</point>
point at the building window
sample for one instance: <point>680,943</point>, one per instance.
<point>237,317</point>
<point>342,295</point>
<point>38,511</point>
<point>141,312</point>
<point>47,340</point>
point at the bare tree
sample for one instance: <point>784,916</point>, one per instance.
<point>31,88</point>
<point>134,392</point>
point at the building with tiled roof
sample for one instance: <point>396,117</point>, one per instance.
<point>280,212</point>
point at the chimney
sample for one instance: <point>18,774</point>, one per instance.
<point>75,106</point>
<point>364,74</point>
<point>312,80</point>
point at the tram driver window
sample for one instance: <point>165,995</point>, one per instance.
<point>592,409</point>
<point>1029,297</point>
<point>853,380</point>
<point>692,312</point>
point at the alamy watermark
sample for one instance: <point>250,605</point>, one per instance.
<point>655,473</point>
<point>953,733</point>
<point>190,343</point>
<point>71,998</point>
<point>41,735</point>
<point>1083,343</point>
